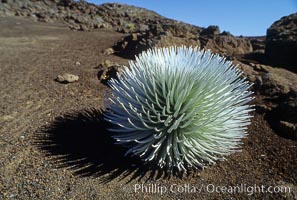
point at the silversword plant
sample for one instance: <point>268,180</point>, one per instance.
<point>180,107</point>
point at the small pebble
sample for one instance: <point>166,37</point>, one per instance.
<point>108,51</point>
<point>67,78</point>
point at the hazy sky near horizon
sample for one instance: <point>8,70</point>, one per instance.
<point>246,17</point>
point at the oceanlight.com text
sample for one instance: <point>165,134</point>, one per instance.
<point>209,188</point>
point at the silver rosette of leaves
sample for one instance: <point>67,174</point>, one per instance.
<point>180,107</point>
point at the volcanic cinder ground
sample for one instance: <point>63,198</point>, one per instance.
<point>53,144</point>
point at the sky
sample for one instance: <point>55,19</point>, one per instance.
<point>239,17</point>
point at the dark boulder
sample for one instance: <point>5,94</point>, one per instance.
<point>281,43</point>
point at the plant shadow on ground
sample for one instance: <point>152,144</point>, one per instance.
<point>82,143</point>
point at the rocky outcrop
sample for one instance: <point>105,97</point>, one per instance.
<point>258,43</point>
<point>276,96</point>
<point>227,44</point>
<point>172,33</point>
<point>77,15</point>
<point>224,43</point>
<point>162,35</point>
<point>281,42</point>
<point>128,19</point>
<point>84,16</point>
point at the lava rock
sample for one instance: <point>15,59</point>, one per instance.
<point>211,31</point>
<point>281,42</point>
<point>108,70</point>
<point>108,51</point>
<point>67,78</point>
<point>226,44</point>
